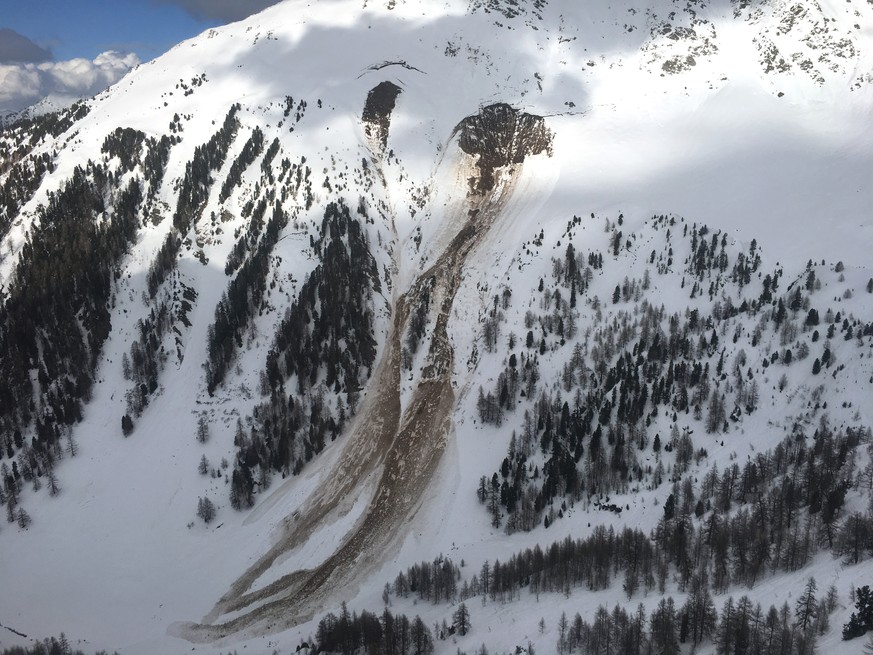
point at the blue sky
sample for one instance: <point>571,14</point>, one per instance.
<point>39,38</point>
<point>85,28</point>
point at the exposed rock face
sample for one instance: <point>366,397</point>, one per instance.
<point>532,10</point>
<point>377,114</point>
<point>501,135</point>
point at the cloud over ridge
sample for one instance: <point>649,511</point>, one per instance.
<point>23,84</point>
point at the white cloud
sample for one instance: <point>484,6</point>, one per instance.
<point>25,84</point>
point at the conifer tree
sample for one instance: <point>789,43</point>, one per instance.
<point>861,620</point>
<point>23,519</point>
<point>806,607</point>
<point>205,509</point>
<point>461,620</point>
<point>202,429</point>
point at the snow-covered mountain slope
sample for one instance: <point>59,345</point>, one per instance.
<point>341,267</point>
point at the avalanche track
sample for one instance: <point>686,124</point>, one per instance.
<point>402,447</point>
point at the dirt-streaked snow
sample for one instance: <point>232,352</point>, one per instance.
<point>780,157</point>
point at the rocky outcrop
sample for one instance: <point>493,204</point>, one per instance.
<point>377,114</point>
<point>500,135</point>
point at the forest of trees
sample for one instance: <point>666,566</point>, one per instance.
<point>626,367</point>
<point>54,315</point>
<point>124,143</point>
<point>146,358</point>
<point>26,133</point>
<point>595,562</point>
<point>22,181</point>
<point>193,194</point>
<point>51,646</point>
<point>251,151</point>
<point>351,633</point>
<point>742,627</point>
<point>347,277</point>
<point>861,620</point>
<point>170,311</point>
<point>197,180</point>
<point>773,514</point>
<point>333,307</point>
<point>586,433</point>
<point>55,309</point>
<point>243,298</point>
<point>134,149</point>
<point>23,169</point>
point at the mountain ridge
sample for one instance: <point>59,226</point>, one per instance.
<point>243,139</point>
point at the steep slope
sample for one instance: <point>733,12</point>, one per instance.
<point>324,229</point>
<point>406,447</point>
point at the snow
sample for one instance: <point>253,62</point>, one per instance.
<point>113,561</point>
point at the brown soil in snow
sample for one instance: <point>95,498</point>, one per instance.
<point>404,449</point>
